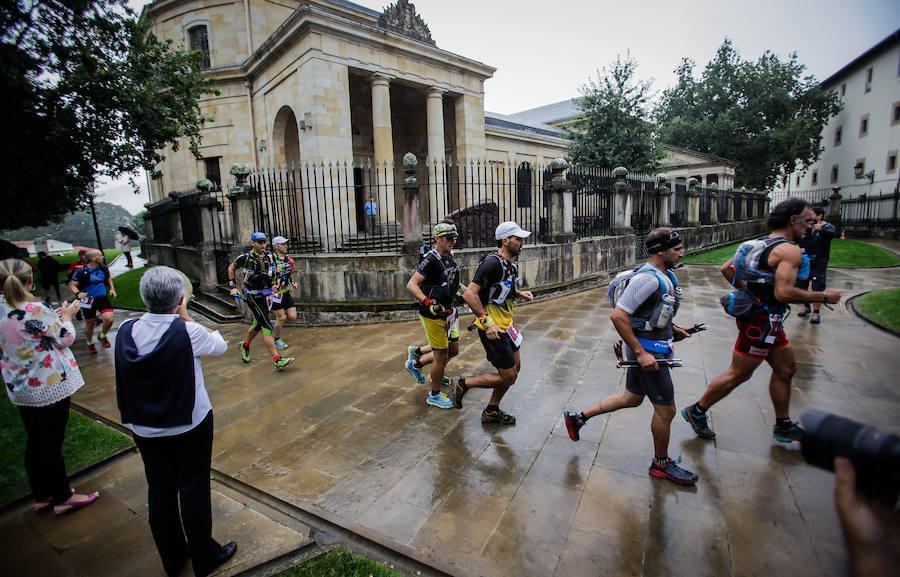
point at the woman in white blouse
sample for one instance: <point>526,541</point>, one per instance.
<point>40,374</point>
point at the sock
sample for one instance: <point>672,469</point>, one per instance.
<point>492,408</point>
<point>102,336</point>
<point>418,364</point>
<point>783,423</point>
<point>246,345</point>
<point>417,351</point>
<point>276,358</point>
<point>462,384</point>
<point>90,342</point>
<point>697,409</point>
<point>661,462</point>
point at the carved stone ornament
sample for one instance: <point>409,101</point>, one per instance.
<point>402,19</point>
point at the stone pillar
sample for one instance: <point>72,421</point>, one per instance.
<point>739,201</point>
<point>434,109</point>
<point>834,208</point>
<point>729,204</point>
<point>206,206</point>
<point>751,214</point>
<point>412,225</point>
<point>664,202</point>
<point>241,196</point>
<point>383,139</point>
<point>621,203</point>
<point>175,220</point>
<point>693,215</point>
<point>713,203</point>
<point>148,223</point>
<point>562,228</point>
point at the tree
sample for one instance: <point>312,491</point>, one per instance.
<point>765,115</point>
<point>87,90</point>
<point>614,128</point>
<point>77,228</point>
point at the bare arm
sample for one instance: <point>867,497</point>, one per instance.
<point>787,259</point>
<point>471,297</point>
<point>233,290</point>
<point>727,271</point>
<point>414,286</point>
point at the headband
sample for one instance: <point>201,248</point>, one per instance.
<point>664,243</point>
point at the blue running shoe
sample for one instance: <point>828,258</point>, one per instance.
<point>698,422</point>
<point>415,372</point>
<point>440,400</point>
<point>280,344</point>
<point>411,353</point>
<point>788,433</point>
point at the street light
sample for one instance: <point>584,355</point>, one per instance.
<point>858,172</point>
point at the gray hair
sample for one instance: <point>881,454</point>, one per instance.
<point>161,289</point>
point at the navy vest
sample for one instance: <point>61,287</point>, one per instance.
<point>156,389</point>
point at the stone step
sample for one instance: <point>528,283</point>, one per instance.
<point>215,308</point>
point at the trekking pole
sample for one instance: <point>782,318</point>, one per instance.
<point>621,363</point>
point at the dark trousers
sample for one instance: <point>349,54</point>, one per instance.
<point>44,463</point>
<point>177,470</point>
<point>128,258</point>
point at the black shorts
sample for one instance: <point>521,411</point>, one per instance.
<point>500,353</point>
<point>259,306</point>
<point>287,302</point>
<point>656,386</point>
<point>816,278</point>
<point>99,304</point>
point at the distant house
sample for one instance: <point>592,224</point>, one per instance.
<point>48,245</point>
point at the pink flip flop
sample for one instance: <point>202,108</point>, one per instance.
<point>74,505</point>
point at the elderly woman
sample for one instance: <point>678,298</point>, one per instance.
<point>161,394</point>
<point>41,375</point>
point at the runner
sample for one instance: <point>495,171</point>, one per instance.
<point>490,296</point>
<point>434,286</point>
<point>767,269</point>
<point>75,265</point>
<point>93,285</point>
<point>282,301</point>
<point>259,274</point>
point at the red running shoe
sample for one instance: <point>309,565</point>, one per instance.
<point>104,341</point>
<point>92,349</point>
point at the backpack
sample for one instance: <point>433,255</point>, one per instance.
<point>746,259</point>
<point>620,281</point>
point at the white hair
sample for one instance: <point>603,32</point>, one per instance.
<point>161,289</point>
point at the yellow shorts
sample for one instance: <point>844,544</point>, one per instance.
<point>439,334</point>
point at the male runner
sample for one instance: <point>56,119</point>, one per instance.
<point>282,301</point>
<point>760,335</point>
<point>82,260</point>
<point>259,273</point>
<point>434,285</point>
<point>817,246</point>
<point>643,319</point>
<point>92,283</point>
<point>490,295</point>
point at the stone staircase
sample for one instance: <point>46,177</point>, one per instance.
<point>217,305</point>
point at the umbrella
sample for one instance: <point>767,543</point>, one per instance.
<point>132,234</point>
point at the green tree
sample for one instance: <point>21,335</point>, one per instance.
<point>614,128</point>
<point>87,90</point>
<point>138,223</point>
<point>766,115</point>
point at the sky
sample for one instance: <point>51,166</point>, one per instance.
<point>545,51</point>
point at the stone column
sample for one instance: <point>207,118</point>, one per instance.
<point>148,223</point>
<point>383,138</point>
<point>241,196</point>
<point>664,202</point>
<point>834,208</point>
<point>206,206</point>
<point>175,220</point>
<point>562,228</point>
<point>751,214</point>
<point>434,109</point>
<point>412,225</point>
<point>693,212</point>
<point>621,203</point>
<point>713,203</point>
<point>729,204</point>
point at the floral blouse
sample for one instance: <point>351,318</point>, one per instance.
<point>35,361</point>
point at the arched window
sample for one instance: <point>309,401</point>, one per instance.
<point>523,185</point>
<point>198,39</point>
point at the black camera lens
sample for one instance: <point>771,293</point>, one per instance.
<point>875,455</point>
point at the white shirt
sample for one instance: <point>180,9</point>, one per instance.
<point>146,333</point>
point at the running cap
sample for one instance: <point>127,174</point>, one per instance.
<point>664,243</point>
<point>258,236</point>
<point>279,240</point>
<point>508,229</point>
<point>444,229</point>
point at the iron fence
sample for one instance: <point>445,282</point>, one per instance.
<point>871,211</point>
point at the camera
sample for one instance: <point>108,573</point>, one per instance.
<point>875,455</point>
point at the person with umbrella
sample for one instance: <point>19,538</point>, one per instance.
<point>123,242</point>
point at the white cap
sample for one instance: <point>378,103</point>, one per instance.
<point>279,240</point>
<point>510,228</point>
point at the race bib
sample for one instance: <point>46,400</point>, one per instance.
<point>87,302</point>
<point>276,298</point>
<point>451,322</point>
<point>774,325</point>
<point>514,335</point>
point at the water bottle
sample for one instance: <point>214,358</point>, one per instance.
<point>666,312</point>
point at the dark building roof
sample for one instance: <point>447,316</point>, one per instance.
<point>522,125</point>
<point>863,58</point>
<point>563,110</point>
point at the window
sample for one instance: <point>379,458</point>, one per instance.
<point>895,114</point>
<point>868,80</point>
<point>891,162</point>
<point>523,185</point>
<point>798,180</point>
<point>843,92</point>
<point>198,39</point>
<point>864,126</point>
<point>211,168</point>
<point>834,173</point>
<point>838,132</point>
<point>815,177</point>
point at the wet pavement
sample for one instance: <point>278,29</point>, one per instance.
<point>344,433</point>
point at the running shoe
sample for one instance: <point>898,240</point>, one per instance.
<point>245,352</point>
<point>672,472</point>
<point>445,381</point>
<point>815,319</point>
<point>415,371</point>
<point>456,392</point>
<point>411,353</point>
<point>805,312</point>
<point>92,349</point>
<point>104,341</point>
<point>788,433</point>
<point>280,344</point>
<point>698,422</point>
<point>497,416</point>
<point>572,424</point>
<point>440,400</point>
<point>283,362</point>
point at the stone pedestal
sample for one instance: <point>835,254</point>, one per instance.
<point>412,224</point>
<point>562,228</point>
<point>693,212</point>
<point>206,206</point>
<point>664,201</point>
<point>241,196</point>
<point>713,203</point>
<point>834,208</point>
<point>175,221</point>
<point>621,203</point>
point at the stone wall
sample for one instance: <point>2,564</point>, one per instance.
<point>706,237</point>
<point>187,259</point>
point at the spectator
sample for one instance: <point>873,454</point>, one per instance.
<point>49,269</point>
<point>371,208</point>
<point>41,375</point>
<point>817,246</point>
<point>123,242</point>
<point>161,394</point>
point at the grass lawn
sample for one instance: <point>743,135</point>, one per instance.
<point>340,563</point>
<point>127,287</point>
<point>68,258</point>
<point>844,253</point>
<point>86,442</point>
<point>882,307</point>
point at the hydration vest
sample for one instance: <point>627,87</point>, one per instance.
<point>645,317</point>
<point>505,288</point>
<point>444,291</point>
<point>751,265</point>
